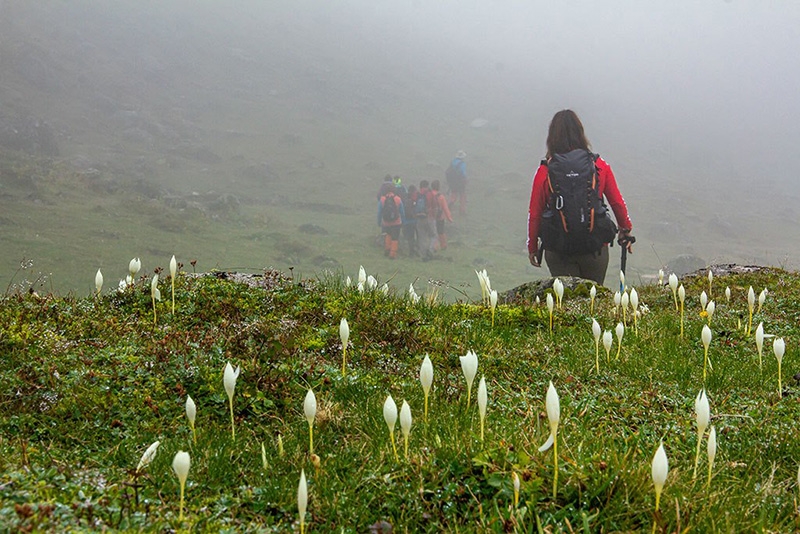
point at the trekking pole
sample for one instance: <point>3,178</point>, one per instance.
<point>624,244</point>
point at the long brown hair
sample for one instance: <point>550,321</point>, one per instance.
<point>565,134</point>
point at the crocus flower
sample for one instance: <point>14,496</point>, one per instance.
<point>390,416</point>
<point>302,500</point>
<point>682,298</point>
<point>553,416</point>
<point>98,281</point>
<point>405,424</point>
<point>550,309</point>
<point>660,470</point>
<point>483,281</point>
<point>558,287</point>
<point>661,277</point>
<point>493,303</point>
<point>385,289</point>
<point>592,296</point>
<point>229,381</point>
<point>362,275</point>
<point>634,305</point>
<point>191,414</point>
<point>761,298</point>
<point>779,347</point>
<point>372,282</point>
<point>617,300</point>
<point>148,456</point>
<point>703,300</point>
<point>310,411</point>
<point>596,332</point>
<point>702,413</point>
<point>622,281</point>
<point>180,464</point>
<point>705,337</point>
<point>624,300</point>
<point>483,399</point>
<point>710,279</point>
<point>712,452</point>
<point>173,270</point>
<point>344,336</point>
<point>673,284</point>
<point>469,366</point>
<point>426,379</point>
<point>133,267</point>
<point>751,304</point>
<point>515,483</point>
<point>412,294</point>
<point>620,331</point>
<point>760,341</point>
<point>608,340</point>
<point>710,308</point>
<point>155,295</point>
<point>727,294</point>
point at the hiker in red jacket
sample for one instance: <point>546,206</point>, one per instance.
<point>439,211</point>
<point>566,135</point>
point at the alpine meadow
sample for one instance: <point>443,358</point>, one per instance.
<point>201,329</point>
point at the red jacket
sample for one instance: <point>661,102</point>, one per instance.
<point>607,187</point>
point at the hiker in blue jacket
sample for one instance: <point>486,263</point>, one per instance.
<point>456,176</point>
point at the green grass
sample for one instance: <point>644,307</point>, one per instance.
<point>90,383</point>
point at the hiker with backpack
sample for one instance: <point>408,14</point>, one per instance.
<point>456,176</point>
<point>439,211</point>
<point>568,219</point>
<point>390,219</point>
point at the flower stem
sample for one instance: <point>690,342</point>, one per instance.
<point>426,407</point>
<point>394,446</point>
<point>310,438</point>
<point>555,466</point>
<point>344,361</point>
<point>597,355</point>
<point>180,514</point>
<point>780,389</point>
<point>233,428</point>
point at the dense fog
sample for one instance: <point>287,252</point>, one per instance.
<point>693,104</point>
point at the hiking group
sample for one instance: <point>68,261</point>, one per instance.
<point>419,214</point>
<point>569,224</point>
<point>568,221</point>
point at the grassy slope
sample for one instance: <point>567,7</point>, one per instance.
<point>90,383</point>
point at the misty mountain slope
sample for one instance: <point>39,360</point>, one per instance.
<point>285,117</point>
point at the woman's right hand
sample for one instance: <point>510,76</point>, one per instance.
<point>534,258</point>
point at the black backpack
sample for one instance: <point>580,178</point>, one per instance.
<point>575,220</point>
<point>390,212</point>
<point>453,175</point>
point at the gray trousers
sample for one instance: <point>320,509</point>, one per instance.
<point>426,235</point>
<point>591,266</point>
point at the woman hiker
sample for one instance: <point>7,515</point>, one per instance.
<point>566,208</point>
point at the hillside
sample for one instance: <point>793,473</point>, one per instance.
<point>93,381</point>
<point>248,139</point>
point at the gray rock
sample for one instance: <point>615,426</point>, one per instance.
<point>526,293</point>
